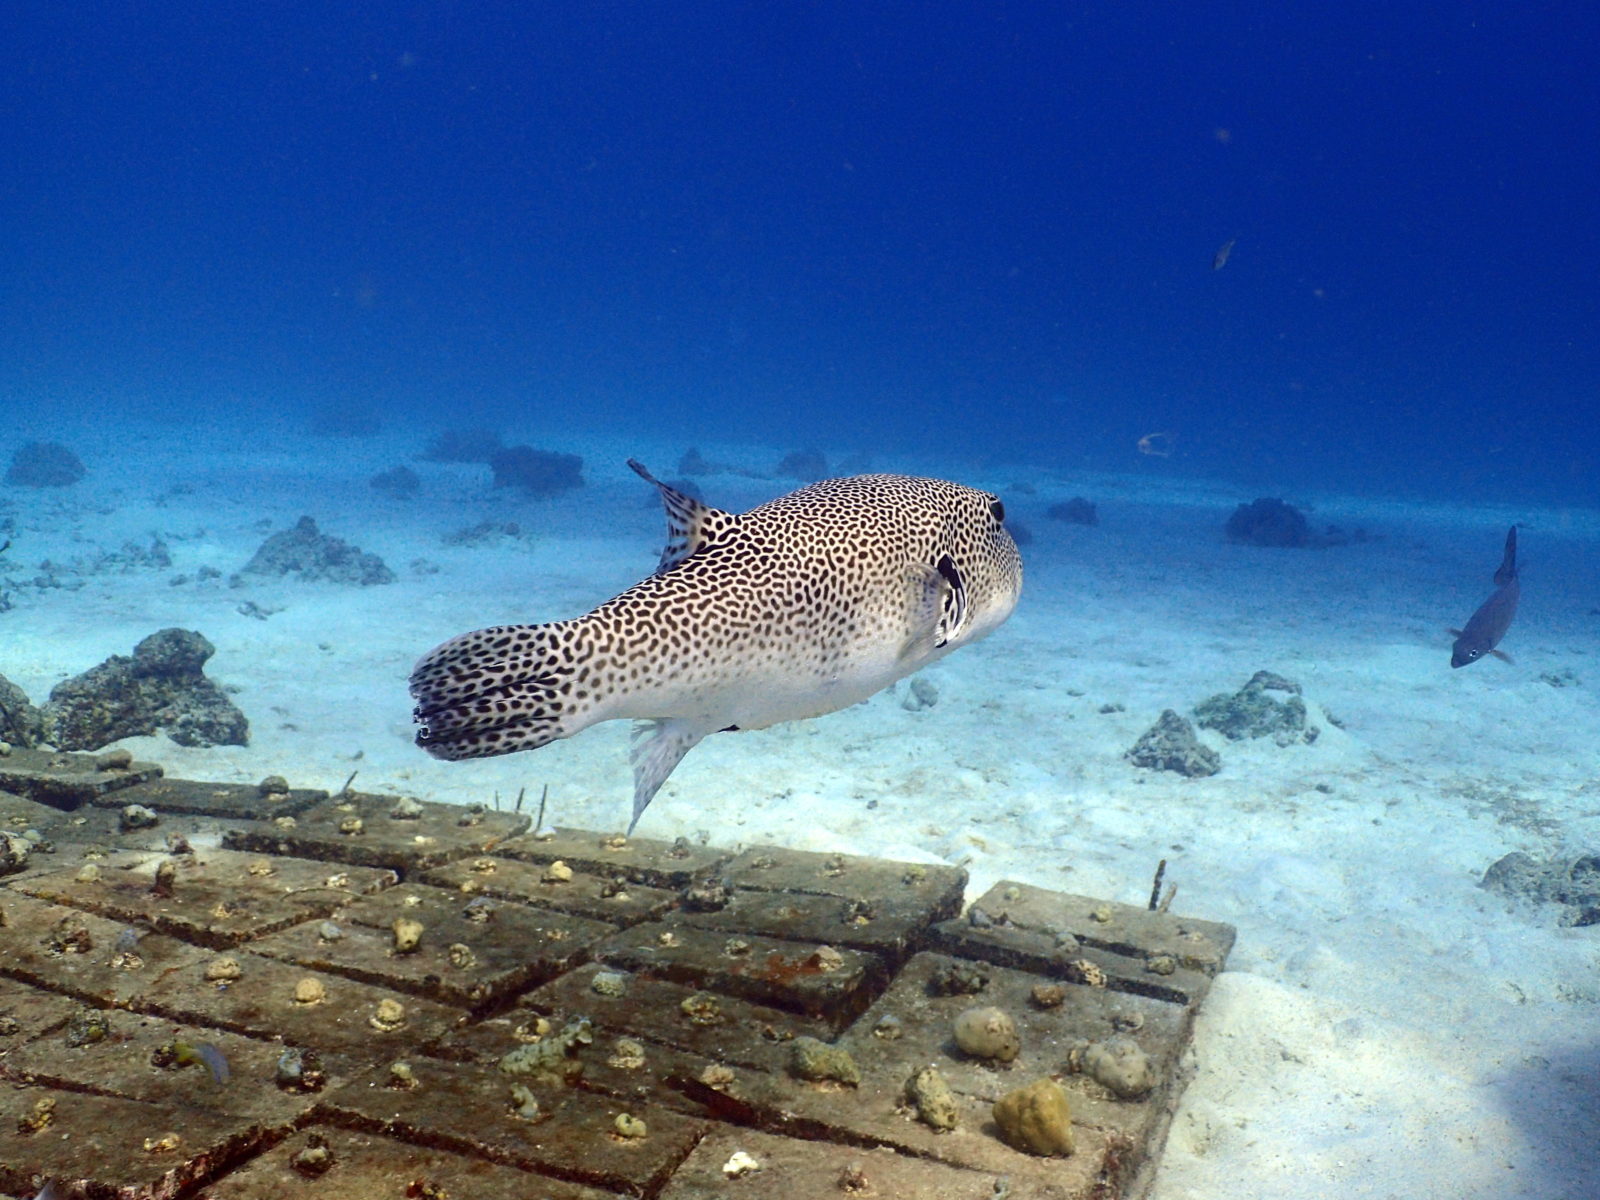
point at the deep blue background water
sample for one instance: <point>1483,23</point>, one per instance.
<point>982,228</point>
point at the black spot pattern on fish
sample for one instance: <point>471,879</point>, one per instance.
<point>803,605</point>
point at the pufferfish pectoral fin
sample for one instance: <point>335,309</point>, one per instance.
<point>658,747</point>
<point>924,610</point>
<point>689,522</point>
<point>937,607</point>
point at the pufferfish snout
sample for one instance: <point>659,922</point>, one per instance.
<point>804,605</point>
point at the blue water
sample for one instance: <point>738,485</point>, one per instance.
<point>983,229</point>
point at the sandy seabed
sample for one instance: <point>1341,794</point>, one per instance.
<point>1386,1028</point>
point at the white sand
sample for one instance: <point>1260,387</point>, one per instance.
<point>1385,1029</point>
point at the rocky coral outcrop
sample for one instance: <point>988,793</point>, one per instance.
<point>306,553</point>
<point>536,472</point>
<point>400,482</point>
<point>1252,712</point>
<point>44,464</point>
<point>1573,882</point>
<point>1172,745</point>
<point>21,724</point>
<point>805,465</point>
<point>1076,511</point>
<point>1272,522</point>
<point>1268,522</point>
<point>162,688</point>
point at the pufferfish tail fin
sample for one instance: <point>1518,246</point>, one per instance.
<point>497,690</point>
<point>691,524</point>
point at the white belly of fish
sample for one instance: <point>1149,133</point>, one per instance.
<point>730,696</point>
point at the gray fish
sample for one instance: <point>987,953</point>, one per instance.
<point>1220,258</point>
<point>1488,625</point>
<point>802,606</point>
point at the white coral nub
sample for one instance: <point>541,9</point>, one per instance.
<point>739,1164</point>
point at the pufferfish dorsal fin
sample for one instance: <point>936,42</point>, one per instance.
<point>690,523</point>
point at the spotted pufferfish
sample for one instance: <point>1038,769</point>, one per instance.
<point>804,605</point>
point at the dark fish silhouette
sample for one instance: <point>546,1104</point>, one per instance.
<point>1488,625</point>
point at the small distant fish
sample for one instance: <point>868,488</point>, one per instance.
<point>1220,258</point>
<point>1488,625</point>
<point>1158,445</point>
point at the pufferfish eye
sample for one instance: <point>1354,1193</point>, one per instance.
<point>997,511</point>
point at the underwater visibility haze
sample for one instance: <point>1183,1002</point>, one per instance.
<point>985,226</point>
<point>1265,335</point>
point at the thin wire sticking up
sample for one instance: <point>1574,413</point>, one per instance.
<point>1155,888</point>
<point>544,796</point>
